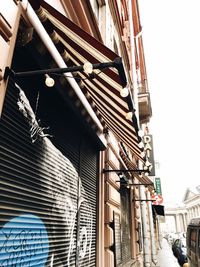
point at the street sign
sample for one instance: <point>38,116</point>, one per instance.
<point>158,186</point>
<point>157,199</point>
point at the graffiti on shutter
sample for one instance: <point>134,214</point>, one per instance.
<point>39,196</point>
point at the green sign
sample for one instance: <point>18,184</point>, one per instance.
<point>158,186</point>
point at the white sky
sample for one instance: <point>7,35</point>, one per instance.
<point>171,37</point>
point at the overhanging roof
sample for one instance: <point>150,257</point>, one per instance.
<point>104,89</point>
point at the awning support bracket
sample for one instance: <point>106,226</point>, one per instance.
<point>140,171</point>
<point>117,63</point>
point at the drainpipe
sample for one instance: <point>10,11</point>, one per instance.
<point>133,68</point>
<point>153,241</point>
<point>36,23</point>
<point>146,244</point>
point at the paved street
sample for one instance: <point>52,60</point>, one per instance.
<point>166,257</point>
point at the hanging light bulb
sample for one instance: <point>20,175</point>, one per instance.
<point>129,115</point>
<point>49,81</point>
<point>141,144</point>
<point>88,68</point>
<point>120,175</point>
<point>140,133</point>
<point>145,167</point>
<point>124,92</point>
<point>148,163</point>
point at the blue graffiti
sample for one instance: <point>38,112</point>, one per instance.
<point>24,242</point>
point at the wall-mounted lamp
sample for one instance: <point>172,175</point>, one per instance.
<point>123,178</point>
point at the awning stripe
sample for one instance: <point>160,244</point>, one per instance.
<point>66,23</point>
<point>104,82</point>
<point>95,88</point>
<point>109,110</point>
<point>105,88</point>
<point>85,56</point>
<point>117,129</point>
<point>122,135</point>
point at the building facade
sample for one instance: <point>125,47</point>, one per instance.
<point>178,218</point>
<point>191,201</point>
<point>74,180</point>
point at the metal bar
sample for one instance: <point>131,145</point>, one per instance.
<point>131,170</point>
<point>133,184</point>
<point>143,200</point>
<point>120,68</point>
<point>141,184</point>
<point>60,70</point>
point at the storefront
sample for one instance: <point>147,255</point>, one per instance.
<point>58,206</point>
<point>48,184</point>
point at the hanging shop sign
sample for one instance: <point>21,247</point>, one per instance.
<point>148,149</point>
<point>157,199</point>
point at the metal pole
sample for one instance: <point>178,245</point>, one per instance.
<point>153,241</point>
<point>146,251</point>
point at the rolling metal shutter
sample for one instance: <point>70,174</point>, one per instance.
<point>48,198</point>
<point>125,224</point>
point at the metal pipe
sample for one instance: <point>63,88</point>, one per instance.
<point>153,240</point>
<point>146,251</point>
<point>36,23</point>
<point>133,68</point>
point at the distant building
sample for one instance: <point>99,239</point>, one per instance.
<point>178,217</point>
<point>191,201</point>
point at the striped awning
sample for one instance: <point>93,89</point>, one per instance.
<point>104,88</point>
